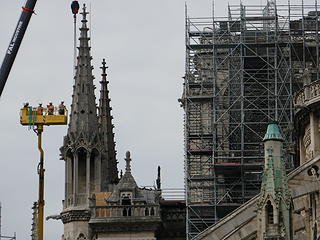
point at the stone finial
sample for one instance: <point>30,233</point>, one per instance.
<point>84,12</point>
<point>128,160</point>
<point>158,181</point>
<point>104,67</point>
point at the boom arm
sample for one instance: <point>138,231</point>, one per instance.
<point>15,42</point>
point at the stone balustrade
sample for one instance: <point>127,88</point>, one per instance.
<point>125,211</point>
<point>78,200</point>
<point>309,94</point>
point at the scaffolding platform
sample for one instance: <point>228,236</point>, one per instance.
<point>242,71</point>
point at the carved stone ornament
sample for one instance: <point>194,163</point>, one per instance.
<point>75,215</point>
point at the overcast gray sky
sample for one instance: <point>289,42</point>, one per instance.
<point>143,43</point>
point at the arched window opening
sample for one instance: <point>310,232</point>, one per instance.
<point>69,173</point>
<point>146,212</point>
<point>93,171</point>
<point>152,212</point>
<point>269,213</point>
<point>81,237</point>
<point>82,170</point>
<point>126,198</point>
<point>124,212</point>
<point>126,201</point>
<point>72,175</point>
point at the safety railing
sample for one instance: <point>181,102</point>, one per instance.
<point>46,116</point>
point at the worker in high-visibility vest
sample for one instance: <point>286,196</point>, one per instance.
<point>50,108</point>
<point>40,109</point>
<point>61,108</point>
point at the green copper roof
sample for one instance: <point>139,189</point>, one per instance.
<point>273,133</point>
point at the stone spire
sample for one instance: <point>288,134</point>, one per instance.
<point>275,201</point>
<point>83,117</point>
<point>88,147</point>
<point>106,128</point>
<point>83,148</point>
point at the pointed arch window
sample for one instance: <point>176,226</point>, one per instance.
<point>146,212</point>
<point>124,212</point>
<point>152,212</point>
<point>269,213</point>
<point>69,174</point>
<point>82,170</point>
<point>93,170</point>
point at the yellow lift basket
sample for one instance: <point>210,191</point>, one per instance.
<point>43,116</point>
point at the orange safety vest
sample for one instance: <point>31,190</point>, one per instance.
<point>39,110</point>
<point>50,109</point>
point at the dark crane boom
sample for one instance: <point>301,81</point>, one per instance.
<point>15,42</point>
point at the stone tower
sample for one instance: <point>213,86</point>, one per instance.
<point>275,200</point>
<point>89,148</point>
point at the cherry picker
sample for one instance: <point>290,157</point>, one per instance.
<point>36,118</point>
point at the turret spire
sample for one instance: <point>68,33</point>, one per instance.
<point>106,126</point>
<point>104,102</point>
<point>275,201</point>
<point>83,116</point>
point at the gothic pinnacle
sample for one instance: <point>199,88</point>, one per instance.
<point>104,69</point>
<point>128,160</point>
<point>84,109</point>
<point>84,13</point>
<point>105,122</point>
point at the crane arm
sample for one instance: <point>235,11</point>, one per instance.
<point>15,42</point>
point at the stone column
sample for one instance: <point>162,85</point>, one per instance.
<point>88,173</point>
<point>98,180</point>
<point>302,150</point>
<point>314,134</point>
<point>67,182</point>
<point>75,177</point>
<point>69,178</point>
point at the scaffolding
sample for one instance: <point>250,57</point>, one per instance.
<point>5,237</point>
<point>241,74</point>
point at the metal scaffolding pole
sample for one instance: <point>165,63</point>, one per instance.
<point>1,236</point>
<point>242,71</point>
